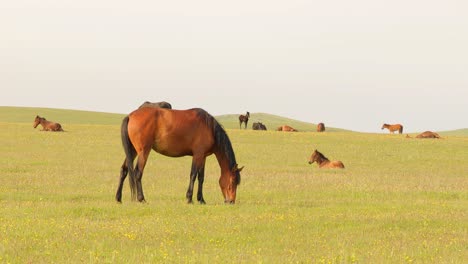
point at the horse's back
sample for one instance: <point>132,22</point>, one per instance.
<point>286,128</point>
<point>338,164</point>
<point>334,164</point>
<point>428,134</point>
<point>172,133</point>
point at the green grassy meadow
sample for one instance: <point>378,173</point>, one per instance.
<point>398,200</point>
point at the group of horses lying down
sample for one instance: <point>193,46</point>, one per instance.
<point>177,133</point>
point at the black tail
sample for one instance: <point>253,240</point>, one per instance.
<point>130,154</point>
<point>401,130</point>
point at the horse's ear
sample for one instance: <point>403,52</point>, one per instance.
<point>236,168</point>
<point>240,169</point>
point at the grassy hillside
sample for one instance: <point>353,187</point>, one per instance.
<point>398,200</point>
<point>459,132</point>
<point>63,116</point>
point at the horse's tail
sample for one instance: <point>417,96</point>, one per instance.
<point>130,154</point>
<point>400,130</point>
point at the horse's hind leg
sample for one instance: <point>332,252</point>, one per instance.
<point>123,175</point>
<point>141,163</point>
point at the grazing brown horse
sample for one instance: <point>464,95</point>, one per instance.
<point>286,128</point>
<point>428,134</point>
<point>320,127</point>
<point>244,119</point>
<point>323,162</point>
<point>47,125</point>
<point>177,133</point>
<point>393,128</point>
<point>162,104</point>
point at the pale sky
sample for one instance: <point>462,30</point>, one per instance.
<point>350,64</point>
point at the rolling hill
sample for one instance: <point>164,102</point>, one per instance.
<point>26,115</point>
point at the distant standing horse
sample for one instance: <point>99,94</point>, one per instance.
<point>244,119</point>
<point>323,162</point>
<point>393,128</point>
<point>177,133</point>
<point>47,125</point>
<point>320,127</point>
<point>286,128</point>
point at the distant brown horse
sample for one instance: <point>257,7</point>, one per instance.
<point>162,104</point>
<point>286,128</point>
<point>177,133</point>
<point>46,125</point>
<point>428,134</point>
<point>320,127</point>
<point>244,119</point>
<point>323,162</point>
<point>393,128</point>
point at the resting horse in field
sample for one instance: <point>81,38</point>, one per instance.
<point>428,134</point>
<point>162,104</point>
<point>244,119</point>
<point>258,126</point>
<point>286,128</point>
<point>320,127</point>
<point>177,133</point>
<point>47,125</point>
<point>323,162</point>
<point>393,128</point>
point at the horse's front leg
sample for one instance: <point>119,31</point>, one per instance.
<point>201,179</point>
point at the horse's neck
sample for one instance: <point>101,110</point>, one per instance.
<point>321,160</point>
<point>222,160</point>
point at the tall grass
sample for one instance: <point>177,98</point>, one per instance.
<point>398,200</point>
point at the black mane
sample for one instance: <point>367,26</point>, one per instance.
<point>222,141</point>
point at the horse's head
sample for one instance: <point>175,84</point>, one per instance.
<point>228,184</point>
<point>37,121</point>
<point>384,126</point>
<point>313,158</point>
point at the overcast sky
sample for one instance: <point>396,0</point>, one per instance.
<point>350,64</point>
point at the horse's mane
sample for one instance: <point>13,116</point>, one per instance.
<point>222,141</point>
<point>321,156</point>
